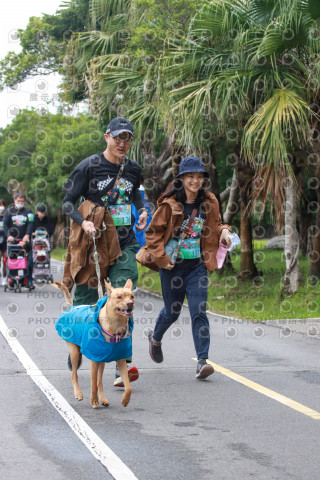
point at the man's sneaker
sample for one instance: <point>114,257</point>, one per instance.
<point>204,369</point>
<point>79,363</point>
<point>133,376</point>
<point>155,349</point>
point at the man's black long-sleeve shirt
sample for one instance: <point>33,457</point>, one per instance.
<point>18,223</point>
<point>93,179</point>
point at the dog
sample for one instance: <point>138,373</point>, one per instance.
<point>104,336</point>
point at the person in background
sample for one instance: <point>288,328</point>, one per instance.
<point>185,207</point>
<point>18,225</point>
<point>42,221</point>
<point>140,234</point>
<point>3,242</point>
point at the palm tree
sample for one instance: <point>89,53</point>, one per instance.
<point>248,63</point>
<point>122,80</point>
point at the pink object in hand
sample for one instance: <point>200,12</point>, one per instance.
<point>221,253</point>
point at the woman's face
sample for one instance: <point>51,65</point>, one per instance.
<point>192,182</point>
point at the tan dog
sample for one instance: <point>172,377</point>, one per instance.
<point>113,318</point>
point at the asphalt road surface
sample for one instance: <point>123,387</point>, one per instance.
<point>257,417</point>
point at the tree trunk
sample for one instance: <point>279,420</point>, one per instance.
<point>157,171</point>
<point>247,266</point>
<point>244,176</point>
<point>292,277</point>
<point>305,224</point>
<point>232,207</point>
<point>315,256</point>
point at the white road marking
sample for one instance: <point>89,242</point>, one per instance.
<point>91,440</point>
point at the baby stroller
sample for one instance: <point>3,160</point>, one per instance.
<point>41,256</point>
<point>17,266</point>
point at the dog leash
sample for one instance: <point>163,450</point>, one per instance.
<point>96,261</point>
<point>95,251</point>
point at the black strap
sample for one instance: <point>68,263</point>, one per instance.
<point>188,225</point>
<point>112,184</point>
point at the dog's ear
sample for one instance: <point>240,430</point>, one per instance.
<point>128,284</point>
<point>109,288</point>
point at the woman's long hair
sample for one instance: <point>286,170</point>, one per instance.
<point>176,188</point>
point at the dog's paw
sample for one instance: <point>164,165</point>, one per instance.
<point>78,394</point>
<point>105,402</point>
<point>125,399</point>
<point>94,402</point>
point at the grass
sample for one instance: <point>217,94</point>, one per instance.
<point>251,299</point>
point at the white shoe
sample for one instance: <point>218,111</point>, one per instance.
<point>3,281</point>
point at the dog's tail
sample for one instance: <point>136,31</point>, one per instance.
<point>64,289</point>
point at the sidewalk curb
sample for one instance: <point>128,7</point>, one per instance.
<point>305,326</point>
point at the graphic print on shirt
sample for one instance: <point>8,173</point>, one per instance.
<point>124,186</point>
<point>19,219</point>
<point>190,245</point>
<point>120,209</point>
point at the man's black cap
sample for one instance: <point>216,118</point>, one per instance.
<point>119,125</point>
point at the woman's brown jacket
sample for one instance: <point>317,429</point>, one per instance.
<point>165,224</point>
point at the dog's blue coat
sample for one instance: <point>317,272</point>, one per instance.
<point>79,325</point>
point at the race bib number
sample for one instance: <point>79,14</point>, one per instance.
<point>189,248</point>
<point>121,214</point>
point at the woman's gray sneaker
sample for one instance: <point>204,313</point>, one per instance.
<point>155,350</point>
<point>204,369</point>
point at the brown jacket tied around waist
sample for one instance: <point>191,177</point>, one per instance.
<point>79,265</point>
<point>166,223</point>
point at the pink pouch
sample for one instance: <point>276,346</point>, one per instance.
<point>17,263</point>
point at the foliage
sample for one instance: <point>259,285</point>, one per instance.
<point>44,43</point>
<point>38,152</point>
<point>254,299</point>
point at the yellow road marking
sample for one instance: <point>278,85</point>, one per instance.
<point>266,391</point>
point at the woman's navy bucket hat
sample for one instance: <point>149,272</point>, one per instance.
<point>192,164</point>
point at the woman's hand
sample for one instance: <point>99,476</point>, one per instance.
<point>143,217</point>
<point>225,236</point>
<point>169,266</point>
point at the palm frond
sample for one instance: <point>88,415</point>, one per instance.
<point>266,132</point>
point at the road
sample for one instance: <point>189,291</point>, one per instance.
<point>257,417</point>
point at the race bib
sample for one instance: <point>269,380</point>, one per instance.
<point>121,214</point>
<point>189,248</point>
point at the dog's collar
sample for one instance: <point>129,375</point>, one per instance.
<point>117,337</point>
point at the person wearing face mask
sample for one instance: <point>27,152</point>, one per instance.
<point>18,225</point>
<point>3,242</point>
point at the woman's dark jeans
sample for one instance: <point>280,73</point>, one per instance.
<point>176,284</point>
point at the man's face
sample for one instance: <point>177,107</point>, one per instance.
<point>41,215</point>
<point>19,202</point>
<point>118,146</point>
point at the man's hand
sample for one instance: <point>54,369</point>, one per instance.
<point>88,227</point>
<point>10,239</point>
<point>26,239</point>
<point>142,221</point>
<point>225,236</point>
